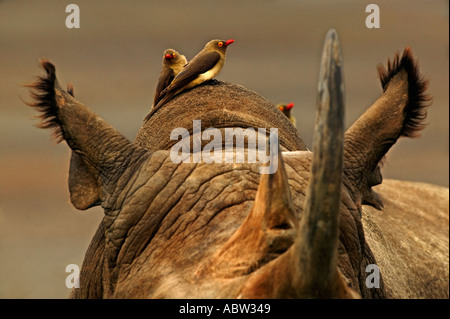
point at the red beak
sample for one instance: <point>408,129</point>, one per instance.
<point>289,106</point>
<point>169,56</point>
<point>229,42</point>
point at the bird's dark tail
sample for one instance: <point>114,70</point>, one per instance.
<point>167,96</point>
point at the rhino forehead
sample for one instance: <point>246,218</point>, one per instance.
<point>168,204</point>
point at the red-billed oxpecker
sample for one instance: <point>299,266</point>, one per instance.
<point>286,109</point>
<point>203,67</point>
<point>172,64</point>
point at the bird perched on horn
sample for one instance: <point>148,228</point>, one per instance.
<point>172,64</point>
<point>203,67</point>
<point>286,109</point>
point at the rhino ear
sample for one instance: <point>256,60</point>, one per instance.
<point>83,187</point>
<point>84,191</point>
<point>95,166</point>
<point>398,112</point>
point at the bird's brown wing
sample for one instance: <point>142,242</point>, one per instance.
<point>193,69</point>
<point>198,65</point>
<point>166,77</point>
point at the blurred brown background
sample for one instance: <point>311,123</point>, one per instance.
<point>114,61</point>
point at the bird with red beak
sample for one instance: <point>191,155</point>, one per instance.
<point>286,109</point>
<point>203,67</point>
<point>172,64</point>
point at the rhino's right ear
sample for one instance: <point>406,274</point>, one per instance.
<point>399,111</point>
<point>83,186</point>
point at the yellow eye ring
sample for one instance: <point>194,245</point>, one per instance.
<point>174,55</point>
<point>220,44</point>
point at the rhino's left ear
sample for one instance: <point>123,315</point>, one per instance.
<point>100,154</point>
<point>83,187</point>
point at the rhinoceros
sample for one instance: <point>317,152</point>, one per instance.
<point>197,229</point>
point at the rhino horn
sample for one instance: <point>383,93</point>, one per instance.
<point>268,230</point>
<point>309,268</point>
<point>97,158</point>
<point>273,203</point>
<point>316,245</point>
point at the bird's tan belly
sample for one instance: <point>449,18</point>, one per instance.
<point>208,75</point>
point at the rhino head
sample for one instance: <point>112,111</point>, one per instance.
<point>223,230</point>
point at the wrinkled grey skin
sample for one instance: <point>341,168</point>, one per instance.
<point>409,238</point>
<point>185,230</point>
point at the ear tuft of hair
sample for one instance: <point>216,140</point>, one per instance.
<point>44,100</point>
<point>418,100</point>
